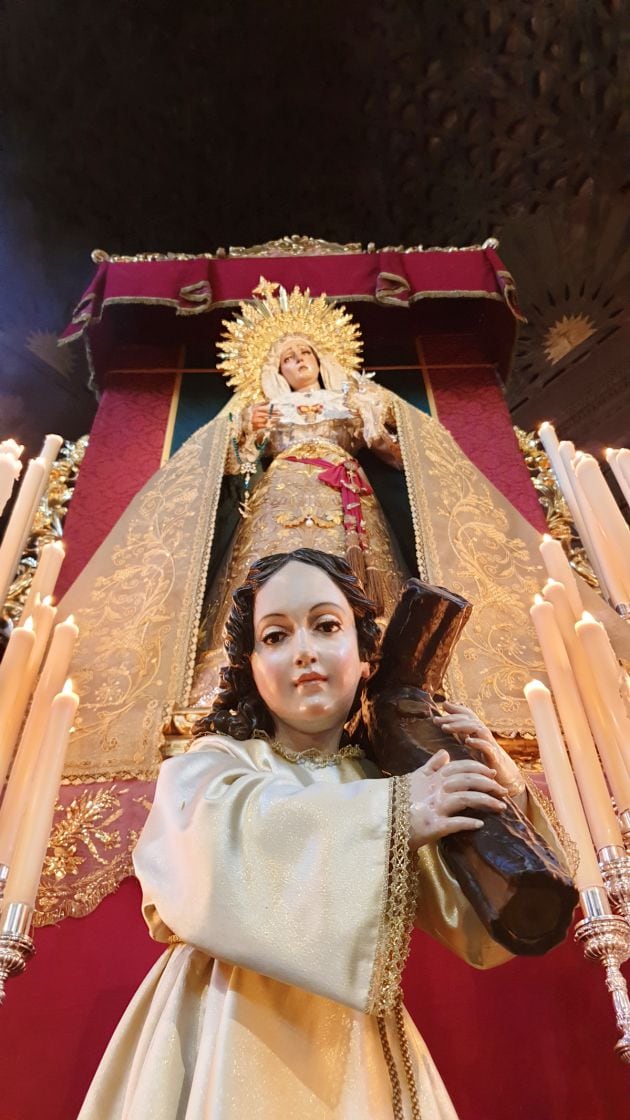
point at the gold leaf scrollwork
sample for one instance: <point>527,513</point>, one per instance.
<point>470,539</point>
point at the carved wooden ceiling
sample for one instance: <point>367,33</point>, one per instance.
<point>138,127</point>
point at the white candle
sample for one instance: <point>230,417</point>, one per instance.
<point>608,679</point>
<point>617,464</point>
<point>558,567</point>
<point>590,779</point>
<point>10,468</point>
<point>595,705</point>
<point>28,755</point>
<point>45,578</point>
<point>50,449</point>
<point>578,512</point>
<point>20,524</point>
<point>560,456</point>
<point>20,527</point>
<point>561,782</point>
<point>13,669</point>
<point>32,841</point>
<point>43,621</point>
<point>611,534</point>
<point>623,458</point>
<point>11,447</point>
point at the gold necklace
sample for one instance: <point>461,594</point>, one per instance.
<point>313,758</point>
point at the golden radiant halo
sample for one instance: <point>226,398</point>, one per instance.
<point>565,334</point>
<point>267,318</point>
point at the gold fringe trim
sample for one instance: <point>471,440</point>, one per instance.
<point>394,938</point>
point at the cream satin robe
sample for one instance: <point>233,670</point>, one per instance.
<point>291,888</point>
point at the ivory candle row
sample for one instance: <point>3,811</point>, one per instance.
<point>598,519</point>
<point>586,682</point>
<point>27,808</point>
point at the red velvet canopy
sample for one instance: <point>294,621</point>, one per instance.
<point>192,287</point>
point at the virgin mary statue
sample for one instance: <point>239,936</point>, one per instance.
<point>310,452</point>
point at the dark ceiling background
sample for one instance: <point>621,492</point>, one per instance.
<point>144,127</point>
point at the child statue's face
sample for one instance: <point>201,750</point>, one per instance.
<point>305,661</point>
<point>299,365</point>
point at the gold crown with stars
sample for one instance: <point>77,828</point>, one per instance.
<point>267,319</point>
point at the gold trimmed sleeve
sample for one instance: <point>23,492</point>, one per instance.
<point>399,903</point>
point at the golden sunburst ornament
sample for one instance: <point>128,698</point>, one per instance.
<point>269,318</point>
<point>565,334</point>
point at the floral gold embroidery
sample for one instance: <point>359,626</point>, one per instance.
<point>466,540</point>
<point>87,856</point>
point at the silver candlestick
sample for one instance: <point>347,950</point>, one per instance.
<point>615,868</point>
<point>16,947</point>
<point>605,937</point>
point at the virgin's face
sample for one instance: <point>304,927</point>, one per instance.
<point>299,365</point>
<point>305,662</point>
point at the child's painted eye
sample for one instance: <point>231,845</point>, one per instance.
<point>329,625</point>
<point>272,637</point>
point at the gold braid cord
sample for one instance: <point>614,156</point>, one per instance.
<point>250,336</point>
<point>393,947</point>
<point>397,1101</point>
<point>394,938</point>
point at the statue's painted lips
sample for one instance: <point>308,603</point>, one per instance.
<point>306,677</point>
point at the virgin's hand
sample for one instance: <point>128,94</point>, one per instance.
<point>440,792</point>
<point>264,415</point>
<point>465,726</point>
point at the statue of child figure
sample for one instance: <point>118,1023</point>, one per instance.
<point>285,873</point>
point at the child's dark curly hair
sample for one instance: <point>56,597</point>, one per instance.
<point>238,709</point>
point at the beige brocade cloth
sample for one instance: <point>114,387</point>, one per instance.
<point>276,877</point>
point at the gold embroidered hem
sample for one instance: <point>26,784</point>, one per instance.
<point>399,905</point>
<point>94,832</point>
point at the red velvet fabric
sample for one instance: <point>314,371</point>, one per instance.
<point>470,403</point>
<point>196,285</point>
<point>125,449</point>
